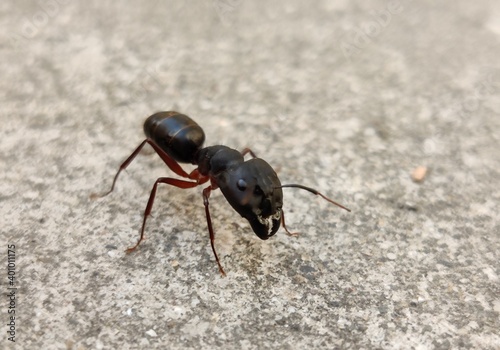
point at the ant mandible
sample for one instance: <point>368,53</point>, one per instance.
<point>251,187</point>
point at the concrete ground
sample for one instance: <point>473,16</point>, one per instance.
<point>348,97</point>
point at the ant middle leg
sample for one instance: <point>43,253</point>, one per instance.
<point>206,195</point>
<point>149,206</point>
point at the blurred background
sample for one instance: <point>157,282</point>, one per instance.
<point>347,97</point>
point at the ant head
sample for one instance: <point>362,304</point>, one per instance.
<point>254,191</point>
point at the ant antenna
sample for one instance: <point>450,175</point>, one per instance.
<point>312,190</point>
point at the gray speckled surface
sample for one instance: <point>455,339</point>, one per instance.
<point>348,97</point>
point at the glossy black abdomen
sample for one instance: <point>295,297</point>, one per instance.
<point>177,134</point>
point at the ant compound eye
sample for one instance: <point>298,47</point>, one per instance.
<point>241,184</point>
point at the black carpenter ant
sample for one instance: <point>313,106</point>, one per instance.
<point>251,187</point>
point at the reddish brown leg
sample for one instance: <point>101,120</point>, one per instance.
<point>206,195</point>
<point>246,151</point>
<point>172,164</point>
<point>293,234</point>
<point>149,206</point>
<point>195,175</point>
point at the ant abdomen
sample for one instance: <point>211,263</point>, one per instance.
<point>175,133</point>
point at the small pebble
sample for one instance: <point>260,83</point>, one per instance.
<point>151,333</point>
<point>418,175</point>
<point>391,256</point>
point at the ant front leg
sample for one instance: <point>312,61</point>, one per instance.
<point>172,164</point>
<point>293,234</point>
<point>149,206</point>
<point>246,151</point>
<point>206,195</point>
